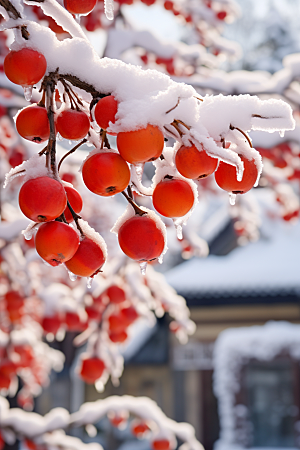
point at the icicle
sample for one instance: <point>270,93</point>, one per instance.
<point>160,259</point>
<point>72,276</point>
<point>139,169</point>
<point>232,198</point>
<point>143,266</point>
<point>281,133</point>
<point>77,18</point>
<point>89,282</point>
<point>27,92</point>
<point>109,9</point>
<point>91,430</point>
<point>59,137</point>
<point>28,234</point>
<point>99,386</point>
<point>178,228</point>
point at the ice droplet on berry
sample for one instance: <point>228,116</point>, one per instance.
<point>281,133</point>
<point>143,267</point>
<point>232,198</point>
<point>178,228</point>
<point>27,92</point>
<point>28,234</point>
<point>77,18</point>
<point>109,9</point>
<point>72,276</point>
<point>160,259</point>
<point>89,282</point>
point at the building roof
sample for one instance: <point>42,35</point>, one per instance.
<point>268,267</point>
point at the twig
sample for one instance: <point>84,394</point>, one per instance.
<point>137,210</point>
<point>173,107</point>
<point>243,133</point>
<point>71,151</point>
<point>76,217</point>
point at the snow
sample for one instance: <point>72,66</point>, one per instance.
<point>269,265</point>
<point>233,348</point>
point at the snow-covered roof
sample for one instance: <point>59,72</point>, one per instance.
<point>266,267</point>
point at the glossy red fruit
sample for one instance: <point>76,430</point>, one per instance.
<point>25,67</point>
<point>145,144</point>
<point>91,369</point>
<point>72,124</point>
<point>75,201</point>
<point>129,315</point>
<point>226,178</point>
<point>88,259</point>
<point>117,323</point>
<point>192,163</point>
<point>116,294</point>
<point>42,199</point>
<point>73,322</point>
<point>221,15</point>
<point>168,5</point>
<point>118,338</point>
<point>51,324</point>
<point>141,239</point>
<point>105,111</point>
<point>173,197</point>
<point>56,242</point>
<point>80,6</point>
<point>16,156</point>
<point>106,174</point>
<point>26,355</point>
<point>93,313</point>
<point>161,444</point>
<point>139,428</point>
<point>32,123</point>
<point>4,381</point>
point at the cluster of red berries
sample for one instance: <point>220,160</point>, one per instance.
<point>106,173</point>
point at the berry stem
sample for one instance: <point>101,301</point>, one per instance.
<point>70,151</point>
<point>76,218</point>
<point>137,210</point>
<point>243,133</point>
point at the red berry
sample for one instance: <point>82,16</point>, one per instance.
<point>56,242</point>
<point>88,259</point>
<point>141,239</point>
<point>72,124</point>
<point>193,163</point>
<point>161,444</point>
<point>32,123</point>
<point>173,198</point>
<point>226,178</point>
<point>117,323</point>
<point>73,322</point>
<point>221,15</point>
<point>168,5</point>
<point>4,384</point>
<point>80,6</point>
<point>51,324</point>
<point>106,174</point>
<point>42,199</point>
<point>116,294</point>
<point>141,145</point>
<point>139,428</point>
<point>129,315</point>
<point>75,201</point>
<point>25,67</point>
<point>91,369</point>
<point>105,111</point>
<point>17,156</point>
<point>118,337</point>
